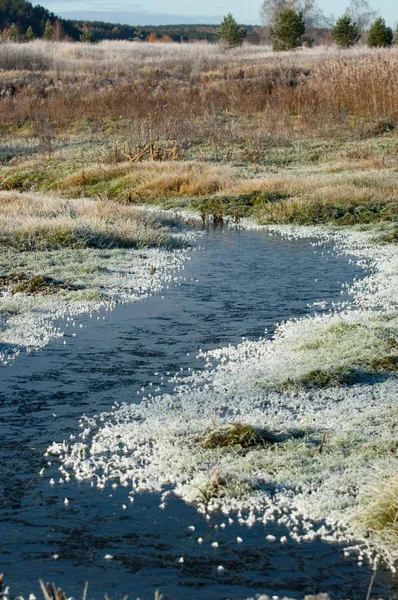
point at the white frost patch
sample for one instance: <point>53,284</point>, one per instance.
<point>328,444</point>
<point>106,278</point>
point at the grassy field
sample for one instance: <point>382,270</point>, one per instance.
<point>90,132</point>
<point>305,137</point>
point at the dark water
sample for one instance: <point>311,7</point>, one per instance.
<point>246,281</point>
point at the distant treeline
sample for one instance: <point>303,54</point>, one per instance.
<point>22,15</point>
<point>176,33</point>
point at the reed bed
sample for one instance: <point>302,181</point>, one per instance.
<point>182,91</point>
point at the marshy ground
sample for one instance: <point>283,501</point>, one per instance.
<point>305,140</point>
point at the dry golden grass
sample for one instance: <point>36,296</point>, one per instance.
<point>37,222</point>
<point>379,510</point>
<point>182,179</point>
<point>124,181</point>
<point>346,197</point>
<point>180,90</point>
<point>380,185</point>
<point>251,107</point>
<point>157,179</point>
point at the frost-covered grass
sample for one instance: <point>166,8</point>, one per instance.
<point>325,443</point>
<point>380,513</point>
<point>61,258</point>
<point>34,222</point>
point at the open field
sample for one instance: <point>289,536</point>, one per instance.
<point>303,142</point>
<point>168,124</point>
<point>182,90</point>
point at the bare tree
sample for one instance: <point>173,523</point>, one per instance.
<point>362,14</point>
<point>58,32</point>
<point>271,9</point>
<point>313,16</point>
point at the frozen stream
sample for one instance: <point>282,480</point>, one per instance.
<point>241,283</point>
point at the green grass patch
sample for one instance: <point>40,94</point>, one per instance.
<point>217,208</point>
<point>54,238</point>
<point>34,284</point>
<point>315,211</point>
<point>344,355</point>
<point>235,434</point>
<point>322,378</point>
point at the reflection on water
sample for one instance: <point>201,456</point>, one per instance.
<point>241,283</point>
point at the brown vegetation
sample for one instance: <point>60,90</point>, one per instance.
<point>146,122</point>
<point>197,90</point>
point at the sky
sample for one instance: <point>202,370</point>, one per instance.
<point>162,12</point>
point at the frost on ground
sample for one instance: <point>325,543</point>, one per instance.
<point>64,257</point>
<point>320,398</point>
<point>101,280</point>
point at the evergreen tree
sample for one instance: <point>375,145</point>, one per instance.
<point>380,36</point>
<point>29,35</point>
<point>345,32</point>
<point>48,32</point>
<point>13,33</point>
<point>86,37</point>
<point>138,35</point>
<point>230,34</point>
<point>288,32</point>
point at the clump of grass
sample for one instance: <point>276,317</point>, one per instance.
<point>34,284</point>
<point>391,237</point>
<point>386,363</point>
<point>42,237</point>
<point>342,199</point>
<point>32,222</point>
<point>234,435</point>
<point>322,378</point>
<point>379,510</point>
<point>221,485</point>
<point>8,310</point>
<point>344,354</point>
<point>84,295</point>
<point>315,209</point>
<point>213,488</point>
<point>216,208</point>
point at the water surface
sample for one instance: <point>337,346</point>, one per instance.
<point>240,283</point>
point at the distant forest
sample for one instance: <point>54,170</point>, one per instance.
<point>23,14</point>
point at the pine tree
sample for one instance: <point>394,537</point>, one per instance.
<point>29,35</point>
<point>86,37</point>
<point>48,32</point>
<point>13,33</point>
<point>288,32</point>
<point>380,36</point>
<point>230,34</point>
<point>138,34</point>
<point>345,32</point>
